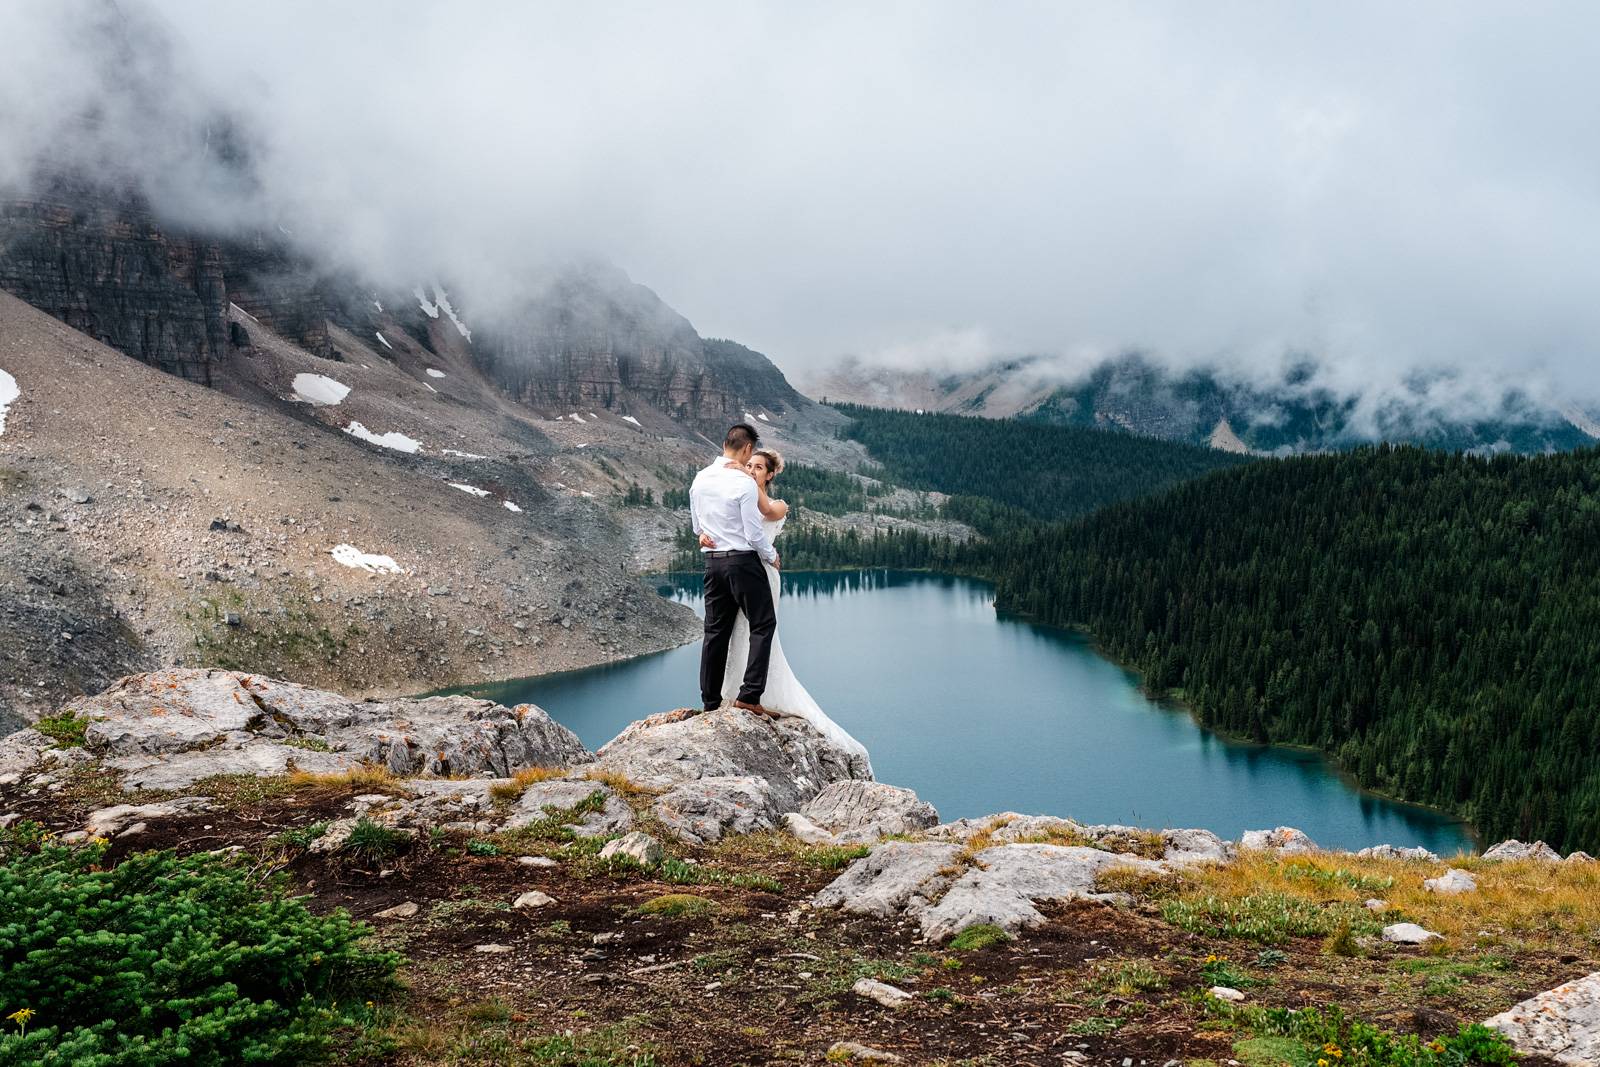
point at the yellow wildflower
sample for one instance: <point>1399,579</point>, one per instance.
<point>21,1017</point>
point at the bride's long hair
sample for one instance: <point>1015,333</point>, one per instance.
<point>774,462</point>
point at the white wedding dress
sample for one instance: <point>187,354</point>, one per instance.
<point>784,693</point>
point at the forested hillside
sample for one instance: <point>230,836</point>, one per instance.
<point>1431,619</point>
<point>1052,472</point>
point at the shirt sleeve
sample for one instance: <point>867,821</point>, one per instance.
<point>750,512</point>
<point>694,510</point>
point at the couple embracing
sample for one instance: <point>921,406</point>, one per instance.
<point>737,519</point>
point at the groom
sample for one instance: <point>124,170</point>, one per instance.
<point>722,507</point>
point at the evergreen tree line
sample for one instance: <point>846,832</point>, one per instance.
<point>1430,619</point>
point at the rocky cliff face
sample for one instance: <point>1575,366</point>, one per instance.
<point>593,338</point>
<point>105,268</point>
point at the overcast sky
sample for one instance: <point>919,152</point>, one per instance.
<point>1385,186</point>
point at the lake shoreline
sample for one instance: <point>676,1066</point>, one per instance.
<point>1177,704</point>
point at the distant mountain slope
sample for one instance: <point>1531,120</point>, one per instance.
<point>586,337</point>
<point>1431,620</point>
<point>360,523</point>
<point>1042,471</point>
<point>1292,414</point>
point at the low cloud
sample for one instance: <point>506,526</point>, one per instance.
<point>1394,191</point>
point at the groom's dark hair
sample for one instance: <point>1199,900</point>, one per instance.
<point>740,435</point>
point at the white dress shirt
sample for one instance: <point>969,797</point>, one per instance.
<point>724,504</point>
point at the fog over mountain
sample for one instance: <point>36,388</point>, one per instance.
<point>1402,194</point>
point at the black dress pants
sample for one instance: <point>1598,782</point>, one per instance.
<point>733,584</point>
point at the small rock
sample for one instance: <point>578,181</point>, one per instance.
<point>233,618</point>
<point>606,938</point>
<point>492,949</point>
<point>1452,881</point>
<point>399,911</point>
<point>884,994</point>
<point>133,831</point>
<point>1522,850</point>
<point>532,899</point>
<point>1222,992</point>
<point>854,1051</point>
<point>77,494</point>
<point>1407,934</point>
<point>76,837</point>
<point>537,861</point>
<point>638,846</point>
<point>1374,904</point>
<point>1579,857</point>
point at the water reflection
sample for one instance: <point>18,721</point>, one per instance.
<point>980,712</point>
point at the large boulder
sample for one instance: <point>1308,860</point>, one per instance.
<point>895,876</point>
<point>668,750</point>
<point>1007,882</point>
<point>1394,852</point>
<point>856,812</point>
<point>1562,1023</point>
<point>587,808</point>
<point>708,809</point>
<point>168,729</point>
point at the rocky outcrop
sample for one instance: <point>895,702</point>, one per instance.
<point>1562,1023</point>
<point>934,884</point>
<point>596,810</point>
<point>665,751</point>
<point>856,812</point>
<point>1523,850</point>
<point>1173,846</point>
<point>169,729</point>
<point>708,809</point>
<point>1391,852</point>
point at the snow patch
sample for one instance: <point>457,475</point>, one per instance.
<point>630,418</point>
<point>442,299</point>
<point>393,439</point>
<point>509,506</point>
<point>583,444</point>
<point>584,492</point>
<point>430,388</point>
<point>9,391</point>
<point>592,415</point>
<point>461,455</point>
<point>762,417</point>
<point>435,373</point>
<point>474,490</point>
<point>749,417</point>
<point>319,389</point>
<point>428,308</point>
<point>377,305</point>
<point>351,556</point>
<point>385,340</point>
<point>575,417</point>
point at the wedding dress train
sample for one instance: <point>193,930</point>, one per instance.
<point>784,693</point>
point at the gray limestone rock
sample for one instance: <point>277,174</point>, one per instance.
<point>1283,839</point>
<point>857,812</point>
<point>1008,880</point>
<point>887,995</point>
<point>399,911</point>
<point>855,1052</point>
<point>665,751</point>
<point>1392,852</point>
<point>1578,857</point>
<point>109,822</point>
<point>638,846</point>
<point>1195,846</point>
<point>707,809</point>
<point>559,797</point>
<point>533,898</point>
<point>1451,882</point>
<point>1407,934</point>
<point>1523,850</point>
<point>229,722</point>
<point>895,876</point>
<point>1562,1023</point>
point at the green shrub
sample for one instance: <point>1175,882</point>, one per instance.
<point>1330,1036</point>
<point>977,936</point>
<point>676,905</point>
<point>164,961</point>
<point>480,847</point>
<point>371,840</point>
<point>65,729</point>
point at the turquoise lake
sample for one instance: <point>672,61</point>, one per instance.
<point>981,713</point>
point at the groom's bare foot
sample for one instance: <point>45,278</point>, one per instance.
<point>754,709</point>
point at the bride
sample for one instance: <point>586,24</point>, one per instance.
<point>784,694</point>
